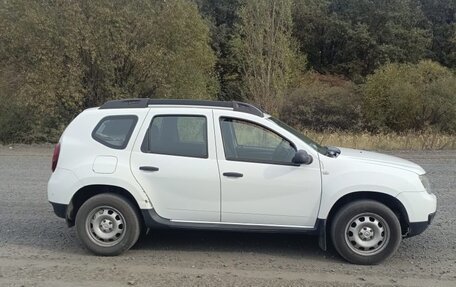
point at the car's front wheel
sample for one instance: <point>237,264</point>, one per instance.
<point>107,224</point>
<point>365,232</point>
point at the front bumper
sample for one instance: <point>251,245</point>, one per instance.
<point>418,204</point>
<point>421,208</point>
<point>416,228</point>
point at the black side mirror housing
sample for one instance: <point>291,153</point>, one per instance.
<point>302,157</point>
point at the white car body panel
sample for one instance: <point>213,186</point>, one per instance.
<point>418,205</point>
<point>354,171</point>
<point>78,154</point>
<point>381,160</point>
<point>105,164</point>
<point>184,188</point>
<point>62,180</point>
<point>268,193</point>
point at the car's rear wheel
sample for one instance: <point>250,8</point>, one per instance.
<point>365,232</point>
<point>108,224</point>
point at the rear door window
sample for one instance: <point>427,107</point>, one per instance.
<point>180,135</point>
<point>115,131</point>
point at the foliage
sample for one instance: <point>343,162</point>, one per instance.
<point>323,103</point>
<point>307,60</point>
<point>265,51</point>
<point>403,97</point>
<point>354,37</point>
<point>223,16</point>
<point>442,16</point>
<point>63,56</point>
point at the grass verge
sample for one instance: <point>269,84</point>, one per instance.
<point>388,141</point>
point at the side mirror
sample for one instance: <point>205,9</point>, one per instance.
<point>302,157</point>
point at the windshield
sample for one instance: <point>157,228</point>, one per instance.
<point>307,140</point>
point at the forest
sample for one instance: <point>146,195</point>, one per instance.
<point>377,67</point>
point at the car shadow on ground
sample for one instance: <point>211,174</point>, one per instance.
<point>55,236</point>
<point>277,244</point>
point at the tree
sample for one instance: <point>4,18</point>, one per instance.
<point>60,57</point>
<point>442,16</point>
<point>147,48</point>
<point>222,16</point>
<point>403,97</point>
<point>354,37</point>
<point>265,51</point>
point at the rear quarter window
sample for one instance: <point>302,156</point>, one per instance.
<point>115,131</point>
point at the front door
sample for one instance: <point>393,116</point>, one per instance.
<point>259,183</point>
<point>174,160</point>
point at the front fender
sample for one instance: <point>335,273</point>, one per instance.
<point>342,177</point>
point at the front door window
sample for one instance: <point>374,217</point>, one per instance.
<point>247,141</point>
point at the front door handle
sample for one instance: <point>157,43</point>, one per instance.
<point>233,174</point>
<point>149,168</point>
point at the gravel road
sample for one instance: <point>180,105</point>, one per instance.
<point>37,249</point>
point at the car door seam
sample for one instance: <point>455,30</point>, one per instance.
<point>218,166</point>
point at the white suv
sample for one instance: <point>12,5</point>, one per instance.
<point>135,164</point>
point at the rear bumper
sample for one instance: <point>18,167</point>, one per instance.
<point>416,228</point>
<point>59,209</point>
<point>61,186</point>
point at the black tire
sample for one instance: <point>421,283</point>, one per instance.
<point>118,221</point>
<point>377,236</point>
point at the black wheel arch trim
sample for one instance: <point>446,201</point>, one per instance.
<point>88,191</point>
<point>60,209</point>
<point>390,201</point>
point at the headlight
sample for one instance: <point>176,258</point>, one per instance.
<point>426,183</point>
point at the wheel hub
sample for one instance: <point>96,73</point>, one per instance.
<point>105,226</point>
<point>367,234</point>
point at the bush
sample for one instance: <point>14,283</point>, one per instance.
<point>13,123</point>
<point>411,97</point>
<point>323,103</point>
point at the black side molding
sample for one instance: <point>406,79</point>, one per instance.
<point>153,220</point>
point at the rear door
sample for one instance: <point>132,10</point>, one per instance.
<point>174,160</point>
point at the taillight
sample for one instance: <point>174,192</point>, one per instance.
<point>55,156</point>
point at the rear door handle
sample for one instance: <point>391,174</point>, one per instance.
<point>149,168</point>
<point>233,174</point>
